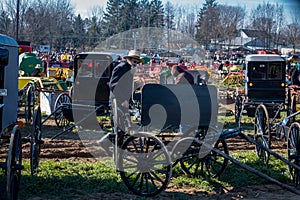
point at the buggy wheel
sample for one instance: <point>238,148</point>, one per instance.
<point>36,141</point>
<point>60,119</point>
<point>144,164</point>
<point>238,108</point>
<point>293,147</point>
<point>14,164</point>
<point>293,107</point>
<point>262,133</point>
<point>199,160</point>
<point>29,104</point>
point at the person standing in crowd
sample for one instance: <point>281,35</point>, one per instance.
<point>182,64</point>
<point>121,82</point>
<point>294,73</point>
<point>181,76</point>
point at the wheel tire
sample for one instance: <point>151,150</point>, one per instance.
<point>14,164</point>
<point>262,132</point>
<point>60,119</point>
<point>293,148</point>
<point>29,104</point>
<point>144,164</point>
<point>198,161</point>
<point>36,141</point>
<point>238,108</point>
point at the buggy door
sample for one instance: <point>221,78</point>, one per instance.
<point>3,92</point>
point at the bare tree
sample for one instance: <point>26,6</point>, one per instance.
<point>266,17</point>
<point>5,20</point>
<point>11,8</point>
<point>185,19</point>
<point>231,20</point>
<point>292,31</point>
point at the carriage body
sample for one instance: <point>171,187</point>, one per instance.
<point>9,81</point>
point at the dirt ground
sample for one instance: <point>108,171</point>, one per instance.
<point>69,146</point>
<point>61,149</point>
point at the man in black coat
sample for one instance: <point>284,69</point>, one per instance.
<point>121,82</point>
<point>294,75</point>
<point>122,87</point>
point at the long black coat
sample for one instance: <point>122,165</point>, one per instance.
<point>121,83</point>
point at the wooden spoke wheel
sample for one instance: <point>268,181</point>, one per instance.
<point>238,108</point>
<point>144,164</point>
<point>36,141</point>
<point>14,164</point>
<point>293,148</point>
<point>61,119</point>
<point>199,160</point>
<point>29,104</point>
<point>262,133</point>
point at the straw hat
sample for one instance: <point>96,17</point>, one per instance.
<point>133,54</point>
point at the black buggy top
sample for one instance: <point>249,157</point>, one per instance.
<point>265,78</point>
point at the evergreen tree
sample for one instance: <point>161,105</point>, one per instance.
<point>79,31</point>
<point>157,13</point>
<point>206,23</point>
<point>112,17</point>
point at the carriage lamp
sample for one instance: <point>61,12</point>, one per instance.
<point>250,84</point>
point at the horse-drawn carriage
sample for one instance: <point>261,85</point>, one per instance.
<point>10,133</point>
<point>40,89</point>
<point>264,82</point>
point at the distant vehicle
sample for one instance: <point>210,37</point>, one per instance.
<point>264,79</point>
<point>45,48</point>
<point>24,46</point>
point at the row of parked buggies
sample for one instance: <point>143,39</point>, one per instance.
<point>174,126</point>
<point>21,92</point>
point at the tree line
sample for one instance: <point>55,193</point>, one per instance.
<point>54,22</point>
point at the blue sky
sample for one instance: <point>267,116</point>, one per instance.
<point>83,6</point>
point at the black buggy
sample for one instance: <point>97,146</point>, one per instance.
<point>264,79</point>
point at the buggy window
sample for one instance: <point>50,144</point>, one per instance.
<point>274,71</point>
<point>100,66</point>
<point>85,67</point>
<point>258,71</point>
